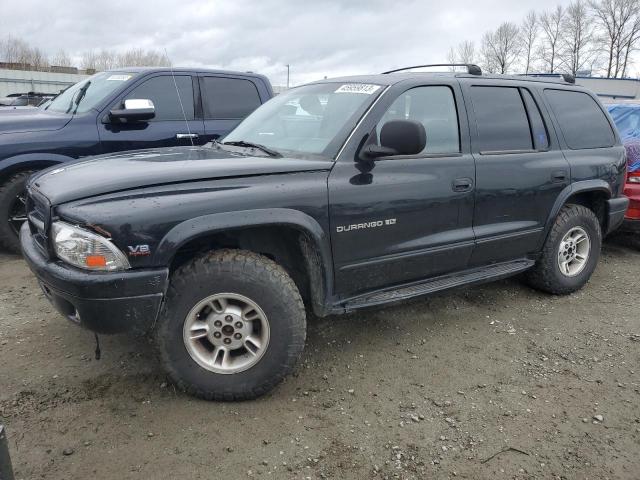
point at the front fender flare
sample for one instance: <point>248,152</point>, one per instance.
<point>29,161</point>
<point>197,227</point>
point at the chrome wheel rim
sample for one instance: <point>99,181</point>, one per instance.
<point>573,252</point>
<point>226,333</point>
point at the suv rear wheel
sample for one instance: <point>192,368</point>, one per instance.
<point>13,209</point>
<point>233,326</point>
<point>570,253</point>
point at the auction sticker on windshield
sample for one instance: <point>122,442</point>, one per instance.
<point>119,78</point>
<point>365,88</point>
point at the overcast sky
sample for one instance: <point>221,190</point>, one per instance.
<point>317,38</point>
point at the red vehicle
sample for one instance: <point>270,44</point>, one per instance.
<point>627,119</point>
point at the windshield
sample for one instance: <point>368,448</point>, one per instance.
<point>312,119</point>
<point>85,95</point>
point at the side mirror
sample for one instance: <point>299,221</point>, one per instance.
<point>134,109</point>
<point>398,137</point>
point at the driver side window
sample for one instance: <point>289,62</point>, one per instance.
<point>170,96</point>
<point>435,108</point>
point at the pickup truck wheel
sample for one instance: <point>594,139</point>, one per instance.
<point>233,326</point>
<point>570,253</point>
<point>13,210</point>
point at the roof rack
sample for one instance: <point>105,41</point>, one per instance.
<point>472,69</point>
<point>566,77</point>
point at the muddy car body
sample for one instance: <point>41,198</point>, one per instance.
<point>334,196</point>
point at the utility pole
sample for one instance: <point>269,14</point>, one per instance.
<point>288,75</point>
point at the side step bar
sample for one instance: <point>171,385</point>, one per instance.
<point>403,292</point>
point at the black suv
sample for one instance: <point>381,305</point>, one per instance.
<point>119,110</point>
<point>334,196</point>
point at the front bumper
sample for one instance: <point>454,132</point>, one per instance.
<point>103,302</point>
<point>616,209</point>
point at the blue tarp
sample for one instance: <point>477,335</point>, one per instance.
<point>627,120</point>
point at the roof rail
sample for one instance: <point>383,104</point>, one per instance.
<point>566,77</point>
<point>471,68</point>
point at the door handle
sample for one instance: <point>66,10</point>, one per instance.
<point>462,184</point>
<point>559,176</point>
<point>186,135</point>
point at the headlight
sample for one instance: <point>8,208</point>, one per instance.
<point>84,249</point>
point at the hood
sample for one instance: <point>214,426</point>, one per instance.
<point>146,168</point>
<point>30,120</point>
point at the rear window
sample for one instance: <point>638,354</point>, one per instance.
<point>232,98</point>
<point>501,119</point>
<point>582,121</point>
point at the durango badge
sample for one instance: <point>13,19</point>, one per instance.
<point>360,226</point>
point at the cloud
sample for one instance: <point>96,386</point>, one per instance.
<point>317,38</point>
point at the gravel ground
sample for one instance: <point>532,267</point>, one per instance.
<point>497,381</point>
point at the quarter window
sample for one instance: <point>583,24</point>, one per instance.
<point>435,108</point>
<point>166,97</point>
<point>538,129</point>
<point>501,119</point>
<point>233,98</point>
<point>582,121</point>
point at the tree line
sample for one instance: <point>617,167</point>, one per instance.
<point>17,51</point>
<point>595,36</point>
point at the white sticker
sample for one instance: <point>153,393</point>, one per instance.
<point>365,88</point>
<point>119,78</point>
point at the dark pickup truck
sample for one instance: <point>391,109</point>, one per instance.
<point>334,196</point>
<point>128,109</point>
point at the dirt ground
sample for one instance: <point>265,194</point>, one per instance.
<point>497,381</point>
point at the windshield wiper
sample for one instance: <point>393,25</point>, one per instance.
<point>242,143</point>
<point>78,98</point>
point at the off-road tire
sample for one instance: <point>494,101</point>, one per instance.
<point>9,189</point>
<point>546,274</point>
<point>253,276</point>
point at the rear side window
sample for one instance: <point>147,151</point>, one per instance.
<point>501,119</point>
<point>583,123</point>
<point>229,97</point>
<point>164,95</point>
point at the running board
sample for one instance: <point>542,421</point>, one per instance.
<point>477,275</point>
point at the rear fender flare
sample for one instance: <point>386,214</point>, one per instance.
<point>578,187</point>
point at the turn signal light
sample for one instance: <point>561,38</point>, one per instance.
<point>96,261</point>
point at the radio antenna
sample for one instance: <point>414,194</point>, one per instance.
<point>175,84</point>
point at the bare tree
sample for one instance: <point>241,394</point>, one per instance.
<point>578,48</point>
<point>630,44</point>
<point>137,57</point>
<point>464,52</point>
<point>617,26</point>
<point>501,48</point>
<point>14,50</point>
<point>550,48</point>
<point>61,59</point>
<point>528,38</point>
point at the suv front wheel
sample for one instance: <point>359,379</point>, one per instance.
<point>13,211</point>
<point>233,326</point>
<point>570,253</point>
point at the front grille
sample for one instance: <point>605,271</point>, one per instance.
<point>38,215</point>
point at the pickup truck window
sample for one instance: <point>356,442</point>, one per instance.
<point>85,95</point>
<point>162,92</point>
<point>435,108</point>
<point>225,98</point>
<point>307,119</point>
<point>581,120</point>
